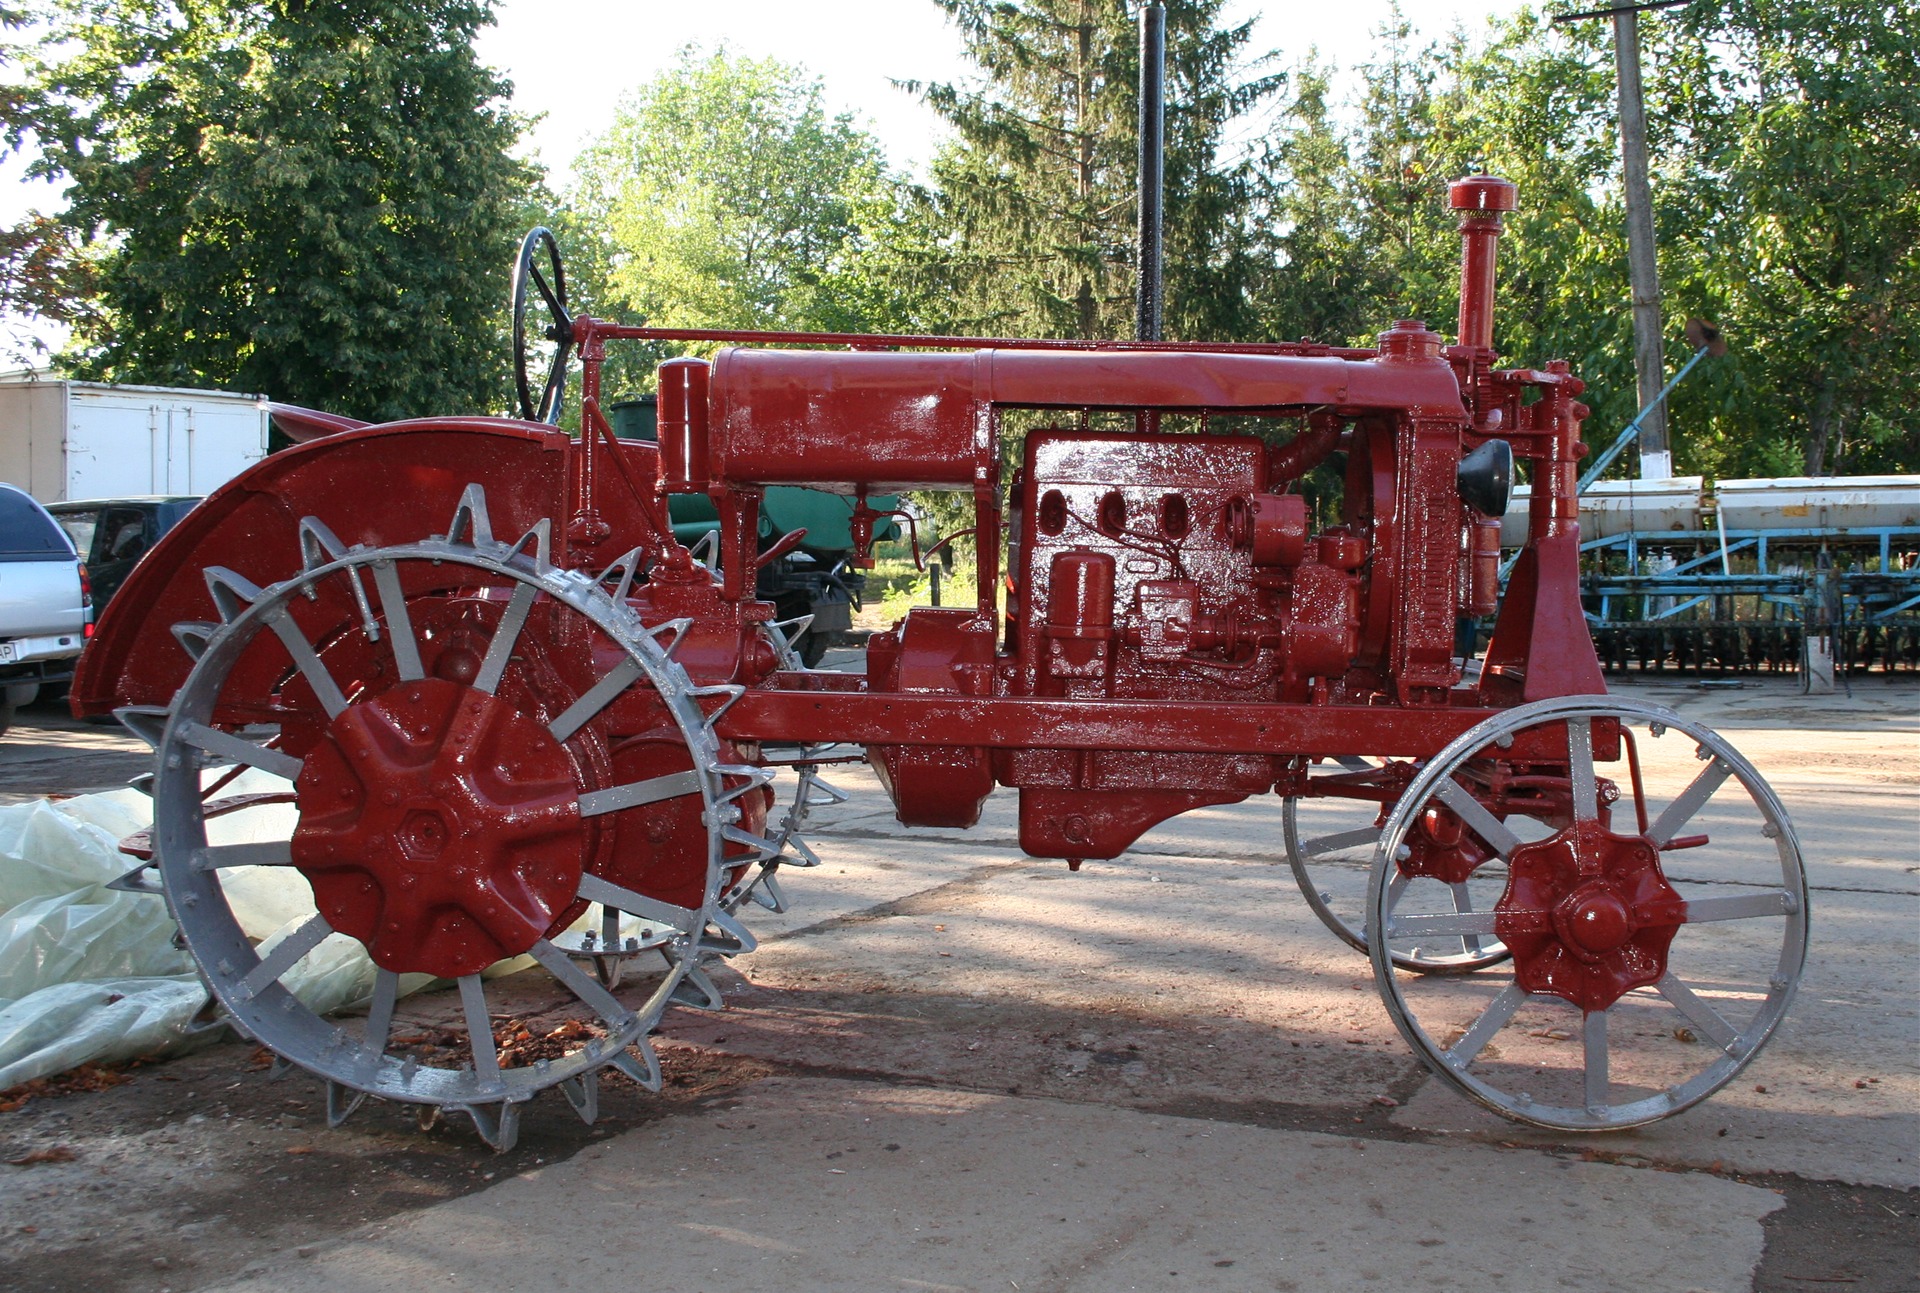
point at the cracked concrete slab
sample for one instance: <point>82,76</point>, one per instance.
<point>799,1182</point>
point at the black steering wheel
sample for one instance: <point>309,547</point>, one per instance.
<point>551,282</point>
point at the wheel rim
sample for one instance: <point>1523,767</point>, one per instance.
<point>1331,842</point>
<point>1646,976</point>
<point>362,1061</point>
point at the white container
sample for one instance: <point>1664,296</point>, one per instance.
<point>1820,503</point>
<point>1611,507</point>
<point>62,440</point>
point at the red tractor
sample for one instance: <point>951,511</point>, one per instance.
<point>514,717</point>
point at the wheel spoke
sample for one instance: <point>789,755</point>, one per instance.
<point>1478,819</point>
<point>595,699</point>
<point>582,985</point>
<point>325,689</point>
<point>473,1002</point>
<point>1586,803</point>
<point>227,746</point>
<point>1364,838</point>
<point>261,853</point>
<point>650,791</point>
<point>1491,1021</point>
<point>505,638</point>
<point>393,600</point>
<point>1746,906</point>
<point>1594,1042</point>
<point>1688,802</point>
<point>1463,905</point>
<point>285,955</point>
<point>1442,924</point>
<point>1698,1012</point>
<point>386,991</point>
<point>594,889</point>
<point>546,293</point>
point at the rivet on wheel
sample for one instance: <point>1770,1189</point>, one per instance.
<point>1770,831</point>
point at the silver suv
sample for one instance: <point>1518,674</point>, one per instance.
<point>45,610</point>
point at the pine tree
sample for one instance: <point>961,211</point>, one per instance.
<point>313,201</point>
<point>1038,193</point>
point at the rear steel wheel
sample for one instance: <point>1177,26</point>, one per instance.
<point>459,797</point>
<point>1658,928</point>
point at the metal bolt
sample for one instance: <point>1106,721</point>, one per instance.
<point>1770,830</point>
<point>1657,729</point>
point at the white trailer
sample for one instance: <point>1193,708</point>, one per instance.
<point>62,440</point>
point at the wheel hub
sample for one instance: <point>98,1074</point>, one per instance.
<point>1588,914</point>
<point>440,827</point>
<point>1440,848</point>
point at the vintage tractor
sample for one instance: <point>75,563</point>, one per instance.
<point>514,717</point>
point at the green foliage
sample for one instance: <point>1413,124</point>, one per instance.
<point>313,201</point>
<point>725,196</point>
<point>1036,195</point>
<point>1785,137</point>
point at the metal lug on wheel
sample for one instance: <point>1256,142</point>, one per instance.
<point>137,881</point>
<point>341,1102</point>
<point>232,592</point>
<point>281,1066</point>
<point>193,635</point>
<point>427,1116</point>
<point>767,893</point>
<point>583,1093</point>
<point>498,1124</point>
<point>470,518</point>
<point>643,1068</point>
<point>148,722</point>
<point>697,991</point>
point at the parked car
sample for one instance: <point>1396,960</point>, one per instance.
<point>112,534</point>
<point>45,608</point>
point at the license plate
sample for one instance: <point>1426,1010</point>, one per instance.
<point>6,653</point>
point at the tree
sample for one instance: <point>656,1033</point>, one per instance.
<point>1322,273</point>
<point>725,196</point>
<point>1036,196</point>
<point>314,201</point>
<point>1802,198</point>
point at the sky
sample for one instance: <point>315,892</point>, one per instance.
<point>858,48</point>
<point>570,64</point>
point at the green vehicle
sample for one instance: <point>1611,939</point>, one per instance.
<point>814,579</point>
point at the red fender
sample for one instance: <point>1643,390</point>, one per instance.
<point>394,483</point>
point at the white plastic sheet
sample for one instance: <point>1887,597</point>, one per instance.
<point>91,974</point>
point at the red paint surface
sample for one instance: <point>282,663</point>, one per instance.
<point>1179,627</point>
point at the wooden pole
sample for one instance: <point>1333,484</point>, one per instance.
<point>1643,270</point>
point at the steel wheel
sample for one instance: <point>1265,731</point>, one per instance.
<point>456,802</point>
<point>783,844</point>
<point>1331,840</point>
<point>1658,928</point>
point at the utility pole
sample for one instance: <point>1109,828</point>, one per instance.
<point>1643,271</point>
<point>1153,62</point>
